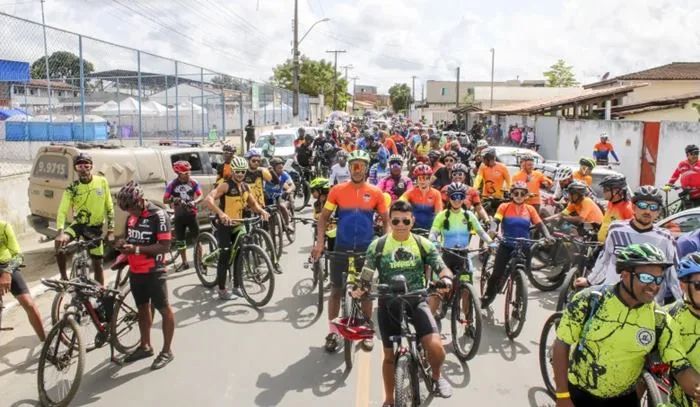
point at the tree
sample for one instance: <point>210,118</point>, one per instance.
<point>315,78</point>
<point>229,82</point>
<point>560,75</point>
<point>63,65</point>
<point>400,96</point>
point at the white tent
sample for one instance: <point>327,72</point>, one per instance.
<point>106,107</point>
<point>186,106</point>
<point>155,107</point>
<point>130,107</point>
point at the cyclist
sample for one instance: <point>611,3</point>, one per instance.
<point>603,149</point>
<point>401,253</point>
<point>233,195</point>
<point>319,190</point>
<point>435,160</point>
<point>146,242</point>
<point>183,194</point>
<point>443,176</point>
<point>299,139</point>
<point>11,279</point>
<point>534,180</point>
<point>339,171</point>
<point>90,201</point>
<point>493,175</point>
<point>268,149</point>
<point>304,152</point>
<point>688,243</point>
<point>562,179</point>
<point>583,174</point>
<point>472,201</point>
<point>515,218</point>
<point>395,184</point>
<point>255,175</point>
<point>379,169</point>
<point>285,187</point>
<point>606,333</point>
<point>356,202</point>
<point>619,205</point>
<point>581,209</point>
<point>387,142</point>
<point>223,171</point>
<point>433,140</point>
<point>421,148</point>
<point>425,200</point>
<point>640,229</point>
<point>688,171</point>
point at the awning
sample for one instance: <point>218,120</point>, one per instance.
<point>14,71</point>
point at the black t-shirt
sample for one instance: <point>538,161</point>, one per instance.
<point>442,178</point>
<point>153,225</point>
<point>304,154</point>
<point>249,132</point>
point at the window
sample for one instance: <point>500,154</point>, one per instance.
<point>52,167</point>
<point>18,90</point>
<point>683,224</point>
<point>193,158</point>
<point>443,91</point>
<point>216,159</point>
<point>75,94</point>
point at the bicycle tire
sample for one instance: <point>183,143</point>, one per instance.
<point>130,316</point>
<point>318,280</point>
<point>277,232</point>
<point>473,322</point>
<point>83,319</point>
<point>545,352</point>
<point>554,279</point>
<point>246,253</point>
<point>348,345</point>
<point>290,228</point>
<point>76,345</point>
<point>75,269</point>
<point>651,395</point>
<point>516,285</point>
<point>124,272</point>
<point>304,193</point>
<point>205,273</point>
<point>568,290</point>
<point>406,385</point>
<point>263,239</point>
<point>485,274</point>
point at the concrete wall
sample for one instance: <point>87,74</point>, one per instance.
<point>547,136</point>
<point>673,137</point>
<point>686,113</point>
<point>14,203</point>
<point>659,89</point>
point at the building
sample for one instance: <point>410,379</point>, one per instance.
<point>680,108</point>
<point>34,94</point>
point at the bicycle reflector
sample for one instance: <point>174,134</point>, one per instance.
<point>352,332</point>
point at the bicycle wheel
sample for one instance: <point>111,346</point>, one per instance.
<point>124,277</point>
<point>302,196</point>
<point>466,323</point>
<point>62,359</point>
<point>124,327</point>
<point>318,280</point>
<point>81,316</point>
<point>547,338</point>
<point>290,228</point>
<point>486,270</point>
<point>348,345</point>
<point>206,258</point>
<point>263,239</point>
<point>79,268</point>
<point>651,396</point>
<point>277,232</point>
<point>256,275</point>
<point>406,385</point>
<point>549,274</point>
<point>516,302</point>
<point>568,290</point>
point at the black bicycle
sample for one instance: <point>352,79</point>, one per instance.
<point>683,201</point>
<point>319,271</point>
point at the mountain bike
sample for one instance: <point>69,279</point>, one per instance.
<point>319,271</point>
<point>300,176</point>
<point>683,201</point>
<point>275,227</point>
<point>584,253</point>
<point>64,347</point>
<point>81,265</point>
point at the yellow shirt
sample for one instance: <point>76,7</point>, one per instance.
<point>9,248</point>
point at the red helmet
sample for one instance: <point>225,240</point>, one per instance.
<point>422,169</point>
<point>352,331</point>
<point>182,166</point>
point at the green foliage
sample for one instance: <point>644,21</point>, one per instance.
<point>315,78</point>
<point>560,75</point>
<point>63,65</point>
<point>400,97</point>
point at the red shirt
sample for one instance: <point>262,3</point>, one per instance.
<point>689,175</point>
<point>152,226</point>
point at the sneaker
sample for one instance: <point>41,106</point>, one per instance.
<point>138,354</point>
<point>367,344</point>
<point>162,360</point>
<point>332,342</point>
<point>442,388</point>
<point>227,295</point>
<point>237,291</point>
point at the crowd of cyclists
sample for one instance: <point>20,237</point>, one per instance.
<point>400,192</point>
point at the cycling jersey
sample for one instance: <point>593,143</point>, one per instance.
<point>9,248</point>
<point>149,228</point>
<point>534,181</point>
<point>304,153</point>
<point>425,205</point>
<point>404,258</point>
<point>339,174</point>
<point>268,150</point>
<point>91,204</point>
<point>187,191</point>
<point>355,205</point>
<point>602,150</point>
<point>272,190</point>
<point>377,172</point>
<point>470,200</point>
<point>459,232</point>
<point>586,179</point>
<point>390,146</point>
<point>689,175</point>
<point>586,209</point>
<point>689,327</point>
<point>617,340</point>
<point>255,179</point>
<point>622,234</point>
<point>234,201</point>
<point>395,186</point>
<point>688,243</point>
<point>442,178</point>
<point>494,179</point>
<point>422,149</point>
<point>616,211</point>
<point>516,220</point>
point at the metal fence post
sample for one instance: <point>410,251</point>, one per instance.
<point>240,118</point>
<point>223,115</point>
<point>177,107</point>
<point>201,88</point>
<point>167,116</point>
<point>138,62</point>
<point>82,88</point>
<point>119,113</point>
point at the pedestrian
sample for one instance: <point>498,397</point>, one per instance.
<point>249,134</point>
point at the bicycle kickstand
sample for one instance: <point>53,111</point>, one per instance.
<point>113,358</point>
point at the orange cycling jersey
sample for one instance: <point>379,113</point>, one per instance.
<point>586,210</point>
<point>534,181</point>
<point>355,207</point>
<point>494,178</point>
<point>616,211</point>
<point>425,205</point>
<point>583,178</point>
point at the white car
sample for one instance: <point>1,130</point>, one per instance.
<point>510,157</point>
<point>681,222</point>
<point>284,146</point>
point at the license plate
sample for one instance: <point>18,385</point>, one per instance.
<point>52,224</point>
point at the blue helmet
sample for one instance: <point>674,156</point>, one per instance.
<point>689,265</point>
<point>253,152</point>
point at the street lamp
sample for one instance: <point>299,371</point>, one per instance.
<point>323,20</point>
<point>295,57</point>
<point>493,57</point>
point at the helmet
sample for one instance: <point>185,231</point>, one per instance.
<point>563,173</point>
<point>395,158</point>
<point>639,255</point>
<point>460,167</point>
<point>434,136</point>
<point>614,181</point>
<point>239,164</point>
<point>341,154</point>
<point>647,193</point>
<point>82,158</point>
<point>308,137</point>
<point>526,157</point>
<point>451,154</point>
<point>227,148</point>
<point>349,328</point>
<point>130,195</point>
<point>587,161</point>
<point>276,161</point>
<point>359,155</point>
<point>689,265</point>
<point>328,148</point>
<point>434,155</point>
<point>691,147</point>
<point>577,186</point>
<point>604,135</point>
<point>482,144</point>
<point>456,188</point>
<point>253,152</point>
<point>518,185</point>
<point>422,169</point>
<point>490,152</point>
<point>182,166</point>
<point>320,183</point>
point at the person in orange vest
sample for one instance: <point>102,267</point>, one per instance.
<point>533,179</point>
<point>583,174</point>
<point>603,149</point>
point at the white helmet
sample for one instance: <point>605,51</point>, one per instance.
<point>563,173</point>
<point>482,144</point>
<point>604,135</point>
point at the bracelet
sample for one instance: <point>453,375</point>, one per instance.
<point>563,395</point>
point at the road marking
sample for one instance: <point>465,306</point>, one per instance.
<point>363,375</point>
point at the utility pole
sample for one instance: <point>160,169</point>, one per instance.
<point>457,97</point>
<point>46,63</point>
<point>422,93</point>
<point>493,57</point>
<point>346,67</point>
<point>413,94</point>
<point>295,63</point>
<point>354,85</point>
<point>335,52</point>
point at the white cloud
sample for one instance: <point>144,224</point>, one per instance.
<point>387,41</point>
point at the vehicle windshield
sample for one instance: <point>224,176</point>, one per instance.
<point>511,160</point>
<point>283,140</point>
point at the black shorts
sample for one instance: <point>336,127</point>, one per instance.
<point>149,287</point>
<point>338,267</point>
<point>77,231</point>
<point>581,397</point>
<point>389,319</point>
<point>18,285</point>
<point>182,223</point>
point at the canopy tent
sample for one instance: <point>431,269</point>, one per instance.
<point>186,106</point>
<point>130,107</point>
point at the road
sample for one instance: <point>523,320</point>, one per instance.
<point>227,353</point>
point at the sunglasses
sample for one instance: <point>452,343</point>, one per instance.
<point>85,166</point>
<point>239,172</point>
<point>458,174</point>
<point>646,205</point>
<point>405,221</point>
<point>693,152</point>
<point>358,166</point>
<point>519,194</point>
<point>255,161</point>
<point>695,285</point>
<point>646,278</point>
<point>396,165</point>
<point>449,161</point>
<point>457,197</point>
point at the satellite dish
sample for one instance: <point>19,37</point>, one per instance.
<point>605,76</point>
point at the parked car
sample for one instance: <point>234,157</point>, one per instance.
<point>681,222</point>
<point>549,168</point>
<point>284,144</point>
<point>510,157</point>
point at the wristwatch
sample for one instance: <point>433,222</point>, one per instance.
<point>137,250</point>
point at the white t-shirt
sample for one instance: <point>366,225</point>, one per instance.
<point>340,174</point>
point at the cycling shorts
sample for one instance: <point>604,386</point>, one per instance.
<point>18,285</point>
<point>183,223</point>
<point>149,288</point>
<point>389,319</point>
<point>77,231</point>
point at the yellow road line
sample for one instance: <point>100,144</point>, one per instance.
<point>363,389</point>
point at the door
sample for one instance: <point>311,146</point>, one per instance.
<point>650,151</point>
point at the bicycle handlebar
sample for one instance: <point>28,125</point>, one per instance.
<point>61,285</point>
<point>344,255</point>
<point>79,244</point>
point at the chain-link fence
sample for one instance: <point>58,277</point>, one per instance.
<point>94,91</point>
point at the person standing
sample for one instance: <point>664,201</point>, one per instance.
<point>688,171</point>
<point>249,135</point>
<point>533,179</point>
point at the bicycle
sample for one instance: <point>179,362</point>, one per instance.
<point>683,201</point>
<point>583,252</point>
<point>248,264</point>
<point>319,273</point>
<point>302,193</point>
<point>515,286</point>
<point>113,328</point>
<point>275,227</point>
<point>81,265</point>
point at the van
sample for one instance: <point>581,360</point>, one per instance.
<point>52,172</point>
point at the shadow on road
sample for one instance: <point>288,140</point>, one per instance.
<point>456,372</point>
<point>318,371</point>
<point>538,397</point>
<point>17,344</point>
<point>547,300</point>
<point>494,339</point>
<point>25,403</point>
<point>103,378</point>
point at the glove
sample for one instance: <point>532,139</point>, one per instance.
<point>667,187</point>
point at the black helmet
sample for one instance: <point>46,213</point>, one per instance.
<point>614,181</point>
<point>647,193</point>
<point>276,161</point>
<point>434,136</point>
<point>308,137</point>
<point>577,187</point>
<point>82,158</point>
<point>434,155</point>
<point>490,152</point>
<point>691,147</point>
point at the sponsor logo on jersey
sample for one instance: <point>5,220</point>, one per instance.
<point>366,197</point>
<point>645,337</point>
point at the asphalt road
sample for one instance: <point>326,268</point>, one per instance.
<point>227,353</point>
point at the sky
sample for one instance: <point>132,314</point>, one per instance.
<point>386,41</point>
